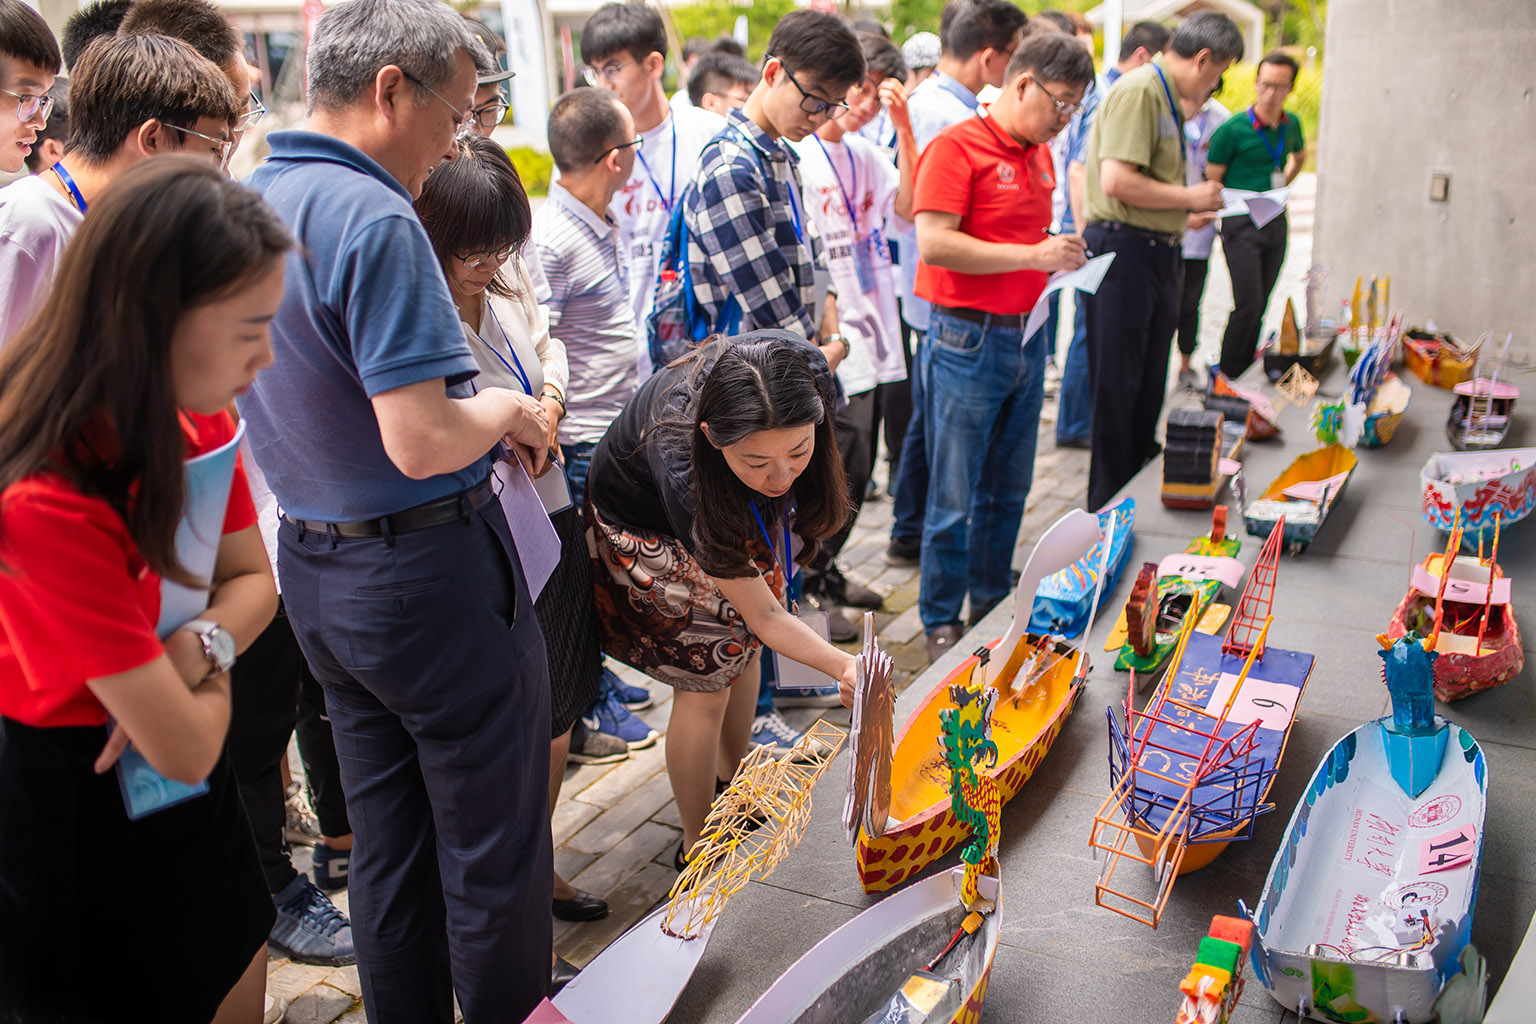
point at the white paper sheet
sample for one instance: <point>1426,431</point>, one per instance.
<point>1085,278</point>
<point>1263,207</point>
<point>538,546</point>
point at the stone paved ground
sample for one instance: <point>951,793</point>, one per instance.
<point>616,826</point>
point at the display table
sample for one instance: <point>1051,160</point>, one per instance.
<point>1062,958</point>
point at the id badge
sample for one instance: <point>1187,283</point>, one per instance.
<point>790,673</point>
<point>1277,179</point>
<point>146,791</point>
<point>864,263</point>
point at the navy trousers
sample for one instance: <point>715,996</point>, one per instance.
<point>435,678</point>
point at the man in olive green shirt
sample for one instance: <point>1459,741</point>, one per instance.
<point>1138,207</point>
<point>1257,150</point>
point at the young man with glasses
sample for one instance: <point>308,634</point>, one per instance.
<point>1259,149</point>
<point>131,97</point>
<point>983,210</point>
<point>720,83</point>
<point>29,59</point>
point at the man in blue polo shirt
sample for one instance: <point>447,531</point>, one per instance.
<point>398,569</point>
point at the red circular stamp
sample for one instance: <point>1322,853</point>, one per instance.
<point>1440,809</point>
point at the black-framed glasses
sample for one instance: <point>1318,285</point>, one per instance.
<point>29,105</point>
<point>637,142</point>
<point>608,72</point>
<point>253,113</point>
<point>462,118</point>
<point>476,260</point>
<point>817,107</point>
<point>491,113</point>
<point>226,146</point>
<point>1062,109</point>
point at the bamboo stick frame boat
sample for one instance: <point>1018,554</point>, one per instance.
<point>1481,414</point>
<point>1191,772</point>
<point>1368,904</point>
<point>1038,685</point>
<point>1300,497</point>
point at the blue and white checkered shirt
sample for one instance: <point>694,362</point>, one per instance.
<point>747,235</point>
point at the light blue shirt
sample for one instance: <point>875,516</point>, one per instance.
<point>1076,148</point>
<point>938,102</point>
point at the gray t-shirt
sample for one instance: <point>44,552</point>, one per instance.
<point>35,222</point>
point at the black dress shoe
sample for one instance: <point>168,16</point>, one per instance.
<point>856,595</point>
<point>561,974</point>
<point>940,640</point>
<point>582,907</point>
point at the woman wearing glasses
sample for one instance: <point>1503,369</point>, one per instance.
<point>477,215</point>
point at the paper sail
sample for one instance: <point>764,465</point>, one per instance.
<point>1085,278</point>
<point>871,740</point>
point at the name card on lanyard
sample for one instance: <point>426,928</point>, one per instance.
<point>864,249</point>
<point>790,674</point>
<point>1276,151</point>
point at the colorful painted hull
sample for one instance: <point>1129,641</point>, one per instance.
<point>1480,414</point>
<point>1347,879</point>
<point>1303,518</point>
<point>1064,600</point>
<point>1458,672</point>
<point>926,827</point>
<point>1177,599</point>
<point>849,974</point>
<point>1511,495</point>
<point>1435,362</point>
<point>1386,412</point>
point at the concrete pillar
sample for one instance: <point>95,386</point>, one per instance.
<point>55,12</point>
<point>1415,88</point>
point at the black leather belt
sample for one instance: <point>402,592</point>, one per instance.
<point>981,316</point>
<point>418,517</point>
<point>1175,239</point>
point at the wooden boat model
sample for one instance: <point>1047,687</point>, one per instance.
<point>1198,451</point>
<point>1214,984</point>
<point>1067,599</point>
<point>1476,489</point>
<point>1481,414</point>
<point>924,953</point>
<point>1039,683</point>
<point>1242,404</point>
<point>1300,497</point>
<point>1192,771</point>
<point>1479,646</point>
<point>1167,594</point>
<point>1437,358</point>
<point>1292,348</point>
<point>1368,905</point>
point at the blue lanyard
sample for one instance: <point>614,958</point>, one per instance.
<point>671,196</point>
<point>794,204</point>
<point>1277,151</point>
<point>516,366</point>
<point>1178,118</point>
<point>853,165</point>
<point>791,585</point>
<point>69,183</point>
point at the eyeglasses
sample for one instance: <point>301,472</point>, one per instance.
<point>818,107</point>
<point>490,113</point>
<point>637,142</point>
<point>254,113</point>
<point>738,98</point>
<point>1062,109</point>
<point>29,106</point>
<point>226,146</point>
<point>476,260</point>
<point>607,71</point>
<point>463,118</point>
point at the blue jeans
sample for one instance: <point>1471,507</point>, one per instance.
<point>1074,403</point>
<point>982,397</point>
<point>578,458</point>
<point>909,492</point>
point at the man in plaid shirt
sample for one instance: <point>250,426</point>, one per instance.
<point>748,235</point>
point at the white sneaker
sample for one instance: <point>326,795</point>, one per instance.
<point>274,1011</point>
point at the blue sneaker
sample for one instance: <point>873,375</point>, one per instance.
<point>636,698</point>
<point>772,731</point>
<point>331,867</point>
<point>309,929</point>
<point>608,715</point>
<point>806,696</point>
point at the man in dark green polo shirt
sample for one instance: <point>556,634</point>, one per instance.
<point>1257,150</point>
<point>1138,207</point>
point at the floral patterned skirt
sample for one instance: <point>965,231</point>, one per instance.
<point>660,612</point>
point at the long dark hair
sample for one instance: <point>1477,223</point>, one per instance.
<point>476,203</point>
<point>94,363</point>
<point>763,380</point>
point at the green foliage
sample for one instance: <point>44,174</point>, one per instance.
<point>719,19</point>
<point>1237,94</point>
<point>534,166</point>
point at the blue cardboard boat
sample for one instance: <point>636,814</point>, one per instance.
<point>1064,601</point>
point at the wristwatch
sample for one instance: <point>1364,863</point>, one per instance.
<point>847,346</point>
<point>218,645</point>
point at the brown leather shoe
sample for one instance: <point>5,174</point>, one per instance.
<point>942,639</point>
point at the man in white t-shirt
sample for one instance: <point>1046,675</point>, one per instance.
<point>857,199</point>
<point>625,49</point>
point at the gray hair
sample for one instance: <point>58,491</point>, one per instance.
<point>1208,30</point>
<point>355,39</point>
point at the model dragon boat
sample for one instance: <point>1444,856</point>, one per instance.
<point>1197,456</point>
<point>1476,489</point>
<point>1067,599</point>
<point>1301,497</point>
<point>1368,905</point>
<point>751,828</point>
<point>1438,359</point>
<point>1479,646</point>
<point>1038,684</point>
<point>1169,593</point>
<point>1214,984</point>
<point>1190,772</point>
<point>924,953</point>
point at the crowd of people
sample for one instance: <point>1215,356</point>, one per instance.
<point>481,446</point>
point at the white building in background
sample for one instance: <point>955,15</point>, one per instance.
<point>1249,18</point>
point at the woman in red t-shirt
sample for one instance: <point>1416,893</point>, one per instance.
<point>157,320</point>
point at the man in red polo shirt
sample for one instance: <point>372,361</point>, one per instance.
<point>983,208</point>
